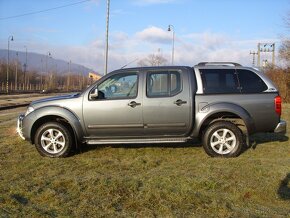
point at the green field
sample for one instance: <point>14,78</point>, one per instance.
<point>144,181</point>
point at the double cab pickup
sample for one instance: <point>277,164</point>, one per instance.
<point>220,103</point>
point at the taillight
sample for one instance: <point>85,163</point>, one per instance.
<point>278,105</point>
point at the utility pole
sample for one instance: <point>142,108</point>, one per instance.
<point>273,54</point>
<point>259,55</point>
<point>107,37</point>
<point>16,71</point>
<point>171,28</point>
<point>68,76</point>
<point>10,38</point>
<point>25,66</point>
<point>41,74</point>
<point>48,54</point>
<point>266,48</point>
<point>254,57</point>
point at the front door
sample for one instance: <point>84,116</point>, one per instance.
<point>117,110</point>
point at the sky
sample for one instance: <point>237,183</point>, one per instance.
<point>204,30</point>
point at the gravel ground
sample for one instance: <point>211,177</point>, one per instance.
<point>14,100</point>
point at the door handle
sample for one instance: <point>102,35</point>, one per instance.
<point>133,104</point>
<point>179,102</point>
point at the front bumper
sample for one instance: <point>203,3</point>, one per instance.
<point>19,128</point>
<point>281,127</point>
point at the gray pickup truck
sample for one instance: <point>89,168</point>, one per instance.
<point>220,103</point>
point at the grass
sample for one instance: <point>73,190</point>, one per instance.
<point>144,181</point>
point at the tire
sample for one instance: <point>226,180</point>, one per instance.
<point>53,140</point>
<point>223,139</point>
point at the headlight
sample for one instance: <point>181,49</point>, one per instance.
<point>29,110</point>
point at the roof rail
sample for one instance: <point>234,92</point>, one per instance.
<point>219,63</point>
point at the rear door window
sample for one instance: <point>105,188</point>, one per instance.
<point>163,83</point>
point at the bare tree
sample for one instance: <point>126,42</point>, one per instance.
<point>152,60</point>
<point>284,50</point>
<point>142,63</point>
<point>287,20</point>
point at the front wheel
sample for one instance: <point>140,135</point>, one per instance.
<point>223,139</point>
<point>53,140</point>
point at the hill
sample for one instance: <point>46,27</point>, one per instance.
<point>37,62</point>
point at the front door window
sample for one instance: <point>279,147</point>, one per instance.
<point>119,86</point>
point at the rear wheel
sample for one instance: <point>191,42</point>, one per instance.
<point>53,140</point>
<point>223,139</point>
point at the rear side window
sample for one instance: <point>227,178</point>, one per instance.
<point>250,82</point>
<point>218,81</point>
<point>163,83</point>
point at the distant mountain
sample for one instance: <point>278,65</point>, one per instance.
<point>37,62</point>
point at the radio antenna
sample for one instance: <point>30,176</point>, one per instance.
<point>129,63</point>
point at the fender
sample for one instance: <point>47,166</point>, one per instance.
<point>211,109</point>
<point>39,113</point>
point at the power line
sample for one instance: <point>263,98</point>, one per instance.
<point>45,10</point>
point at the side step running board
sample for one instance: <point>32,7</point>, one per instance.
<point>135,141</point>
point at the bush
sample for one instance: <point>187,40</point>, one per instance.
<point>281,78</point>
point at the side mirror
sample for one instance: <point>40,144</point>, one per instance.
<point>94,94</point>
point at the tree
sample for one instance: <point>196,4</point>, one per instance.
<point>284,50</point>
<point>152,60</point>
<point>287,20</point>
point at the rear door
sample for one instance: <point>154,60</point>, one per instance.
<point>167,103</point>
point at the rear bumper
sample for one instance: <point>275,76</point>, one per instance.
<point>281,127</point>
<point>19,128</point>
